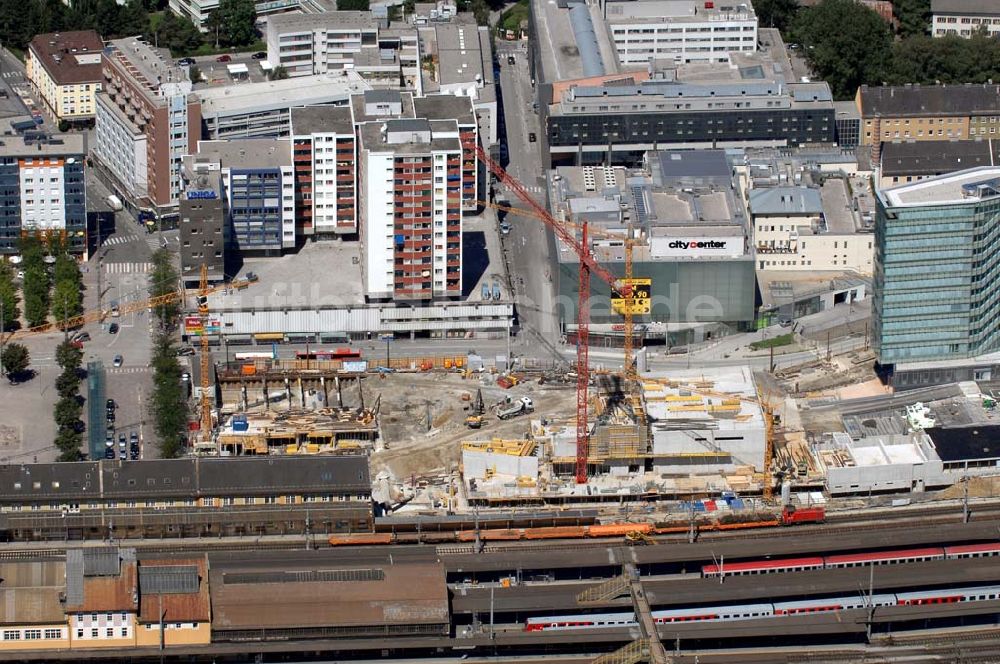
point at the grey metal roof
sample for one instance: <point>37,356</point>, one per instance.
<point>104,561</point>
<point>586,40</point>
<point>74,577</point>
<point>383,97</point>
<point>967,7</point>
<point>307,120</point>
<point>928,100</point>
<point>786,201</point>
<point>693,164</point>
<point>168,579</point>
<point>408,124</point>
<point>936,157</point>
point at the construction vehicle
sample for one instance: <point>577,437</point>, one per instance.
<point>508,381</point>
<point>638,537</point>
<point>475,419</point>
<point>516,407</point>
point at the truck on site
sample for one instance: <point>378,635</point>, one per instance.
<point>115,203</point>
<point>515,407</point>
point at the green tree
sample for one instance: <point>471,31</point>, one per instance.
<point>776,13</point>
<point>68,384</point>
<point>353,5</point>
<point>914,16</point>
<point>68,356</point>
<point>68,441</point>
<point>238,20</point>
<point>845,57</point>
<point>163,280</point>
<point>15,359</point>
<point>67,412</point>
<point>168,401</point>
<point>8,297</point>
<point>195,73</point>
<point>177,33</point>
<point>279,73</point>
<point>36,281</point>
<point>481,10</point>
<point>67,301</point>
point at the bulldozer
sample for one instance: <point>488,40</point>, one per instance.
<point>475,419</point>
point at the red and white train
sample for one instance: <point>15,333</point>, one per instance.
<point>754,611</point>
<point>852,560</point>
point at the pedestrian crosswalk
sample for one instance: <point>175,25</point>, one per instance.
<point>12,74</point>
<point>127,370</point>
<point>120,239</point>
<point>127,268</point>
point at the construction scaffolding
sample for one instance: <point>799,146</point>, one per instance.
<point>322,431</point>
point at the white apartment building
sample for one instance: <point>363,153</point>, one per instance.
<point>306,44</point>
<point>792,232</point>
<point>964,17</point>
<point>681,31</point>
<point>122,148</point>
<point>199,10</point>
<point>411,209</point>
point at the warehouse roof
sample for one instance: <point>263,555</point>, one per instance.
<point>937,157</point>
<point>366,595</point>
<point>177,587</point>
<point>925,100</point>
<point>184,478</point>
<point>69,57</point>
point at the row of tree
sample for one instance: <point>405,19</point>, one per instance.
<point>36,282</point>
<point>849,45</point>
<point>232,24</point>
<point>168,402</point>
<point>69,435</point>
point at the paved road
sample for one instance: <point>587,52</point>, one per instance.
<point>530,247</point>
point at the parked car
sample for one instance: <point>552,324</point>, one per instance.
<point>109,440</point>
<point>510,59</point>
<point>133,439</point>
<point>121,441</point>
<point>185,62</point>
<point>76,343</point>
<point>81,336</point>
<point>185,350</point>
<point>532,137</point>
<point>109,453</point>
<point>113,328</point>
<point>123,455</point>
<point>505,227</point>
<point>252,277</point>
<point>110,405</point>
<point>134,454</point>
<point>118,361</point>
<point>224,58</point>
<point>259,55</point>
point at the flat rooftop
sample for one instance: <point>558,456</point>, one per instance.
<point>55,144</point>
<point>945,189</point>
<point>335,20</point>
<point>321,119</point>
<point>372,139</point>
<point>152,66</point>
<point>239,98</point>
<point>837,207</point>
<point>668,11</point>
<point>962,443</point>
<point>680,396</point>
<point>249,152</point>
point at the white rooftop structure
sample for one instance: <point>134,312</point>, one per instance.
<point>964,186</point>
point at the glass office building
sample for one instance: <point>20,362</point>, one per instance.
<point>937,270</point>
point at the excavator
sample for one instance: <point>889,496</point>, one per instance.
<point>475,419</point>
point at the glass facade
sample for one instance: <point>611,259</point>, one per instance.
<point>937,280</point>
<point>255,208</point>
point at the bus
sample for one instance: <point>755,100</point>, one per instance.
<point>254,356</point>
<point>335,354</point>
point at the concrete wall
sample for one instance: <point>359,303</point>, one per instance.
<point>475,464</point>
<point>744,445</point>
<point>377,222</point>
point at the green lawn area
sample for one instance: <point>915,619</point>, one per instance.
<point>511,19</point>
<point>773,342</point>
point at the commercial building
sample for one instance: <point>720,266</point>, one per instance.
<point>184,497</point>
<point>262,110</point>
<point>809,229</point>
<point>935,289</point>
<point>65,68</point>
<point>964,17</point>
<point>204,233</point>
<point>681,31</point>
<point>410,191</point>
<point>307,44</point>
<point>42,189</point>
<point>258,185</point>
<point>912,161</point>
<point>616,118</point>
<point>928,112</point>
<point>689,232</point>
<point>892,463</point>
<point>147,120</point>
